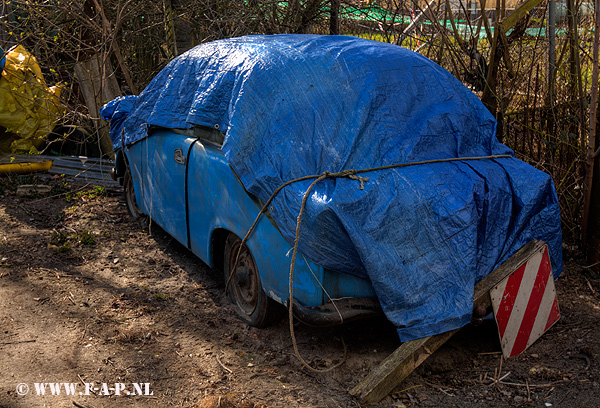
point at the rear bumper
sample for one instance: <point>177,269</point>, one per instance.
<point>337,311</point>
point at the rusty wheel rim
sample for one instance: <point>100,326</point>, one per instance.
<point>245,282</point>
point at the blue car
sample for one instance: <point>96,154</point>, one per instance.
<point>182,182</point>
<point>416,202</point>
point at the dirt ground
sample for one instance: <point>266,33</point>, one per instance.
<point>88,297</point>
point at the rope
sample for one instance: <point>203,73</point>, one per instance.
<point>351,174</point>
<point>262,211</point>
<point>291,286</point>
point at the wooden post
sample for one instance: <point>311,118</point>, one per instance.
<point>98,89</point>
<point>411,354</point>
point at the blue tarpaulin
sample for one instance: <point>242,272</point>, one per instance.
<point>294,105</point>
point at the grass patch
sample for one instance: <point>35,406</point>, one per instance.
<point>162,296</point>
<point>92,194</point>
<point>60,241</point>
<point>60,188</point>
<point>63,242</point>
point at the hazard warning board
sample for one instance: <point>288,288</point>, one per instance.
<point>525,304</point>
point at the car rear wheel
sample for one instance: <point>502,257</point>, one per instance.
<point>132,208</point>
<point>252,304</point>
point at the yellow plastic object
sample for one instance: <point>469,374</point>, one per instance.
<point>28,107</point>
<point>25,168</point>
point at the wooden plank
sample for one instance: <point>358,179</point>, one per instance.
<point>397,366</point>
<point>411,354</point>
<point>481,295</point>
<point>520,12</point>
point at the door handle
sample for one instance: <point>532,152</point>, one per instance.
<point>179,157</point>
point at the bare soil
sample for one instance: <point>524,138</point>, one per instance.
<point>88,297</point>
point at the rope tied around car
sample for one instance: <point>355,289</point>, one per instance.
<point>353,175</point>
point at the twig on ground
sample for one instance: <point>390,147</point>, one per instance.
<point>490,353</point>
<point>532,385</point>
<point>17,342</point>
<point>78,405</point>
<point>497,372</point>
<point>83,383</point>
<point>410,388</point>
<point>221,364</point>
<point>441,389</point>
<point>504,376</point>
<point>590,286</point>
<point>24,209</point>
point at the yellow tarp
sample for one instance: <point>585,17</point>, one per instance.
<point>25,168</point>
<point>29,109</point>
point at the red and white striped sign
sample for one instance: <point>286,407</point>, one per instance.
<point>525,304</point>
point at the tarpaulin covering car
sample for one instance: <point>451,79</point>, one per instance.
<point>296,105</point>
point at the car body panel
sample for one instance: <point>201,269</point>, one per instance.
<point>217,200</point>
<point>164,181</point>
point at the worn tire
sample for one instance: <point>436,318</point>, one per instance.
<point>132,207</point>
<point>252,304</point>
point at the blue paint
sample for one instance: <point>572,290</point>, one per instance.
<point>164,182</point>
<point>216,201</point>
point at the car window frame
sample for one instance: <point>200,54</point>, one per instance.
<point>204,133</point>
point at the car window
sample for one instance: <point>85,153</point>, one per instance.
<point>211,135</point>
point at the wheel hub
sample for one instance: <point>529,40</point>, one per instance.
<point>245,280</point>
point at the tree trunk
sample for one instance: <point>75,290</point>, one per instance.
<point>334,18</point>
<point>593,225</point>
<point>98,88</point>
<point>591,200</point>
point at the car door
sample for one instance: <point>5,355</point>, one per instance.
<point>164,157</point>
<point>210,184</point>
